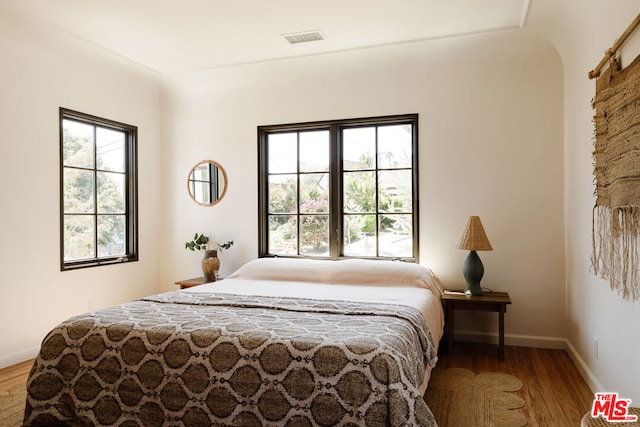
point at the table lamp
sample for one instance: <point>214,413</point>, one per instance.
<point>473,239</point>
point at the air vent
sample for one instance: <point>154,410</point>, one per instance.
<point>304,37</point>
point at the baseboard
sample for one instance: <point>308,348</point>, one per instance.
<point>537,342</point>
<point>15,358</point>
<point>586,373</point>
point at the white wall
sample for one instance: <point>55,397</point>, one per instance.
<point>582,30</point>
<point>41,70</point>
<point>505,133</point>
<point>490,128</point>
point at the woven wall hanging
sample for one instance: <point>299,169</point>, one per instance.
<point>616,215</point>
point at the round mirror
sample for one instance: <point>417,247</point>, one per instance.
<point>207,183</point>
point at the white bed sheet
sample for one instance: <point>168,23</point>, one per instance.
<point>426,299</point>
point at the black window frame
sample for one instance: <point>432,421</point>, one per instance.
<point>130,190</point>
<point>336,173</point>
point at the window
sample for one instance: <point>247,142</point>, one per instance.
<point>335,189</point>
<point>98,196</point>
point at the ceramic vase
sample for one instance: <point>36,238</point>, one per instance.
<point>210,265</point>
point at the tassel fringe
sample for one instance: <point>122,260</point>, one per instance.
<point>616,242</point>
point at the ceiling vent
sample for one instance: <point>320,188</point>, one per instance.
<point>304,37</point>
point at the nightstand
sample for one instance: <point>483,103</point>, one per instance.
<point>489,301</point>
<point>188,283</point>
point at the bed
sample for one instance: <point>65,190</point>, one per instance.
<point>280,342</point>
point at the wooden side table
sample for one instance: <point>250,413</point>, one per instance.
<point>188,283</point>
<point>490,301</point>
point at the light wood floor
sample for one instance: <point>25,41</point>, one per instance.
<point>14,375</point>
<point>554,391</point>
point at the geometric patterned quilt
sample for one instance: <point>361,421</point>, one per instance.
<point>201,359</point>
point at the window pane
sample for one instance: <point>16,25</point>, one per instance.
<point>373,188</point>
<point>314,193</point>
<point>394,187</point>
<point>314,151</point>
<point>359,192</point>
<point>99,218</point>
<point>111,235</point>
<point>201,191</point>
<point>359,235</point>
<point>110,149</point>
<point>78,190</point>
<point>394,146</point>
<point>283,235</point>
<point>395,235</point>
<point>358,148</point>
<point>79,237</point>
<point>110,192</point>
<point>283,152</point>
<point>283,194</point>
<point>201,172</point>
<point>77,144</point>
<point>314,235</point>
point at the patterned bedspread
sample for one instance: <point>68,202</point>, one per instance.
<point>200,359</point>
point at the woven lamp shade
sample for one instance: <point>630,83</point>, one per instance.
<point>474,237</point>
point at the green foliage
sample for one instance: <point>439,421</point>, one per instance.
<point>360,192</point>
<point>366,160</point>
<point>369,227</point>
<point>223,246</point>
<point>352,226</point>
<point>199,242</point>
<point>315,227</point>
<point>289,228</point>
<point>283,196</point>
<point>387,223</point>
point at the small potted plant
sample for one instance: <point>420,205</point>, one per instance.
<point>210,262</point>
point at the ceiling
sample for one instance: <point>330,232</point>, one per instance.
<point>171,36</point>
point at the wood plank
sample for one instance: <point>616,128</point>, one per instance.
<point>554,392</point>
<point>14,375</point>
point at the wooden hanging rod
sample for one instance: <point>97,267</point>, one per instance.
<point>612,51</point>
